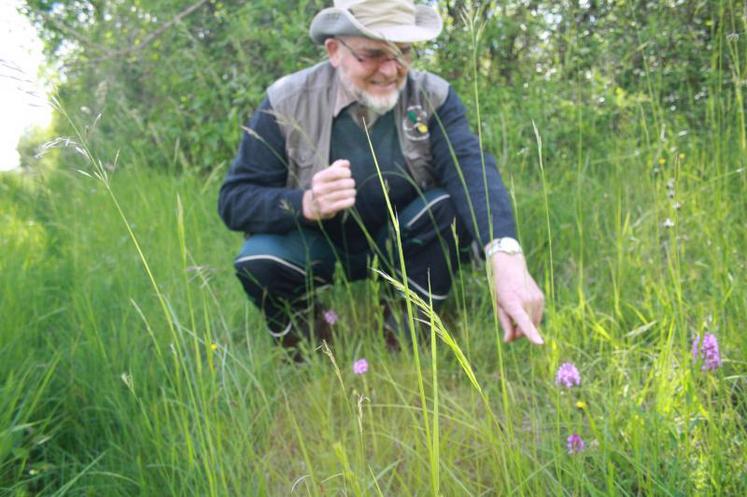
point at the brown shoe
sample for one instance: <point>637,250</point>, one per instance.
<point>322,329</point>
<point>303,326</point>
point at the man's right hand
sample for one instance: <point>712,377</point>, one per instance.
<point>332,190</point>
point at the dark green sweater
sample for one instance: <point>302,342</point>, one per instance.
<point>349,142</point>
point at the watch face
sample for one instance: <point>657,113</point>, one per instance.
<point>510,246</point>
<point>506,245</point>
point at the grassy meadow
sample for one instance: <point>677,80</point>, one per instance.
<point>132,364</point>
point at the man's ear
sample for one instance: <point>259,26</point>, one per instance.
<point>333,51</point>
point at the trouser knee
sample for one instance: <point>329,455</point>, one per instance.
<point>263,276</point>
<point>434,240</point>
<point>277,287</point>
<point>433,217</point>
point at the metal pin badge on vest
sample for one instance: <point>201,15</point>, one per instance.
<point>414,123</point>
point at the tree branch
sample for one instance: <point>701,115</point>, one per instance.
<point>154,34</point>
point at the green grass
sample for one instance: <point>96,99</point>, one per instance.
<point>114,383</point>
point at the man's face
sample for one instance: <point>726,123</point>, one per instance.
<point>374,71</point>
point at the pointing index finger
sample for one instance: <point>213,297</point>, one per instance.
<point>525,325</point>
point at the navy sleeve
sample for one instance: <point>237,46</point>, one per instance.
<point>254,197</point>
<point>476,187</point>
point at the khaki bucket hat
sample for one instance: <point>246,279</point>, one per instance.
<point>395,21</point>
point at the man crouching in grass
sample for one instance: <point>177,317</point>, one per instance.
<point>307,190</point>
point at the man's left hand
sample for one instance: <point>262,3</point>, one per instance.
<point>520,301</point>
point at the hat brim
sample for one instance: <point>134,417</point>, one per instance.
<point>333,22</point>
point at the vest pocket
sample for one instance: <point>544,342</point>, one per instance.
<point>418,156</point>
<point>301,166</point>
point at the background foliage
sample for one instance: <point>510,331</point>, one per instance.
<point>176,80</point>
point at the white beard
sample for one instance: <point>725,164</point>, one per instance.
<point>380,104</point>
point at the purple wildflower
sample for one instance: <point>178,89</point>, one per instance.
<point>711,355</point>
<point>708,350</point>
<point>575,444</point>
<point>330,317</point>
<point>360,366</point>
<point>568,375</point>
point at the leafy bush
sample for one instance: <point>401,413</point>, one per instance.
<point>176,82</point>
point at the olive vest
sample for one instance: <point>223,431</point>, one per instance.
<point>303,103</point>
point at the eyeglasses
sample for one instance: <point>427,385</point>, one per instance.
<point>372,59</point>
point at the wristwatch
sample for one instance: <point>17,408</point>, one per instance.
<point>506,245</point>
